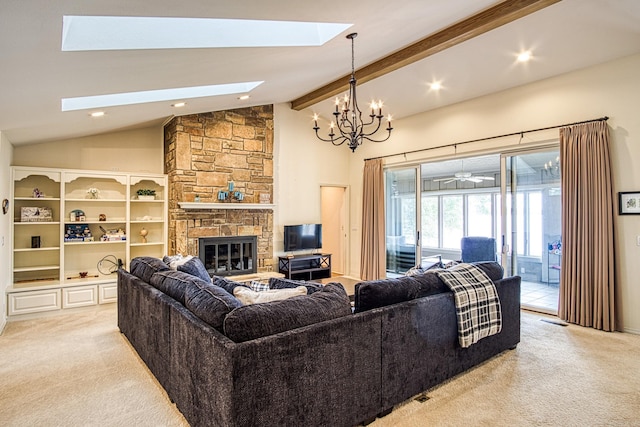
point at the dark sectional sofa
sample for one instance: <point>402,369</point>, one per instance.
<point>304,361</point>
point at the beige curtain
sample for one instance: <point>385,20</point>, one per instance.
<point>372,255</point>
<point>587,284</point>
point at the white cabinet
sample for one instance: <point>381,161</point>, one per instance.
<point>71,230</point>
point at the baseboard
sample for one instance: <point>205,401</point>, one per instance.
<point>631,331</point>
<point>3,323</point>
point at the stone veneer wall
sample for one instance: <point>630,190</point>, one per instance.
<point>203,153</point>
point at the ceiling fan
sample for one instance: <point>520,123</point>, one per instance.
<point>464,176</point>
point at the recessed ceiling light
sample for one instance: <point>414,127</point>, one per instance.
<point>435,86</point>
<point>129,98</point>
<point>80,33</point>
<point>243,97</point>
<point>524,56</point>
<point>179,104</point>
<point>97,114</point>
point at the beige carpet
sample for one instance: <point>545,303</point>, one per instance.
<point>77,370</point>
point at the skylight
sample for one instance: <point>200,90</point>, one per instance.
<point>81,33</point>
<point>128,98</point>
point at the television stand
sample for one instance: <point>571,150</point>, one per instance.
<point>305,267</point>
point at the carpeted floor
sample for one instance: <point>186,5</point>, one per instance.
<point>77,370</point>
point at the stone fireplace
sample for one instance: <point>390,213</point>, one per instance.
<point>203,154</point>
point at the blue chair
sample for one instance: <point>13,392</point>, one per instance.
<point>478,249</point>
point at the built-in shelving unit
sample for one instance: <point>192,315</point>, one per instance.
<point>67,239</point>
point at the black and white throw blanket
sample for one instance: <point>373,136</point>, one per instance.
<point>477,302</point>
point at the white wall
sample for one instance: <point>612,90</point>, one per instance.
<point>6,153</point>
<point>137,150</point>
<point>611,89</point>
<point>303,164</point>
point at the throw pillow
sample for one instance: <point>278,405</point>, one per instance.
<point>282,283</point>
<point>259,286</point>
<point>210,303</point>
<point>144,267</point>
<point>254,321</point>
<point>178,261</point>
<point>195,267</point>
<point>227,284</point>
<point>168,259</point>
<point>249,296</point>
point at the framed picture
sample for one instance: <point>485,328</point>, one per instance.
<point>629,203</point>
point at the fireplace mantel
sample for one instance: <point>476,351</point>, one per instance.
<point>200,205</point>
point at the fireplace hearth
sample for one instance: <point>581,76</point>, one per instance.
<point>229,256</point>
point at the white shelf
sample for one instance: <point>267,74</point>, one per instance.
<point>142,221</point>
<point>37,223</point>
<point>36,268</point>
<point>51,248</point>
<point>222,205</point>
<point>37,198</point>
<point>95,242</point>
<point>95,200</point>
<point>147,244</point>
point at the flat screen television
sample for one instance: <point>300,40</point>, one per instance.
<point>302,236</point>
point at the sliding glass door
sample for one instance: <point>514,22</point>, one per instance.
<point>401,205</point>
<point>531,223</point>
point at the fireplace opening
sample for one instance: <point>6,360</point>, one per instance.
<point>229,256</point>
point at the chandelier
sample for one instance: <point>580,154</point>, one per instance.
<point>349,125</point>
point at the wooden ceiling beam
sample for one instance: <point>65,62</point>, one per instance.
<point>473,26</point>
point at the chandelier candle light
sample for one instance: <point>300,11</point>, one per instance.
<point>348,117</point>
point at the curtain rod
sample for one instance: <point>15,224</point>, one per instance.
<point>605,118</point>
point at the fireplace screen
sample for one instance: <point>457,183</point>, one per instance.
<point>226,256</point>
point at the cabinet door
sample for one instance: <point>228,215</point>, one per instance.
<point>79,296</point>
<point>34,301</point>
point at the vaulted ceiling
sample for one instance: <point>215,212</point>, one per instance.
<point>35,74</point>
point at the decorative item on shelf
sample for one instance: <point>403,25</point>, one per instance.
<point>77,215</point>
<point>35,242</point>
<point>265,198</point>
<point>348,120</point>
<point>77,233</point>
<point>197,198</point>
<point>83,274</point>
<point>37,193</point>
<point>36,214</point>
<point>143,233</point>
<point>229,196</point>
<point>93,192</point>
<point>114,235</point>
<point>109,264</point>
<point>146,194</point>
<point>102,217</point>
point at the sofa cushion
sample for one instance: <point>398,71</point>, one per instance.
<point>249,296</point>
<point>253,321</point>
<point>174,283</point>
<point>144,267</point>
<point>491,269</point>
<point>379,293</point>
<point>282,283</point>
<point>195,267</point>
<point>227,284</point>
<point>210,303</point>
